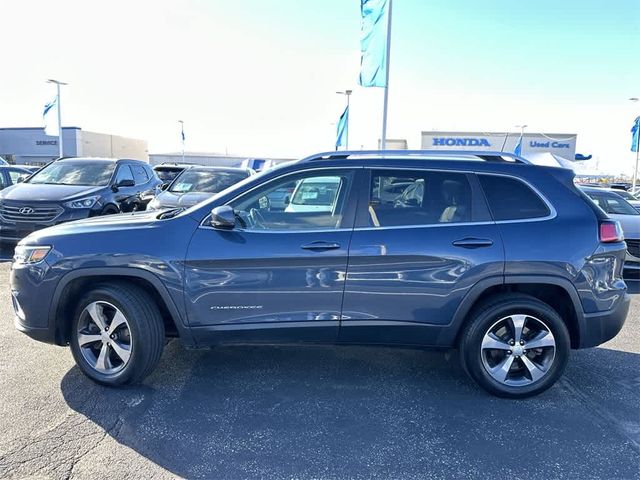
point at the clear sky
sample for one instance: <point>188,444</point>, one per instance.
<point>257,77</point>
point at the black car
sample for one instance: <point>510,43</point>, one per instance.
<point>167,172</point>
<point>10,175</point>
<point>72,189</point>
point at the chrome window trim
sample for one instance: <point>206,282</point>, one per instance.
<point>552,211</point>
<point>209,227</point>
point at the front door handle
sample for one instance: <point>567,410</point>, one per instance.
<point>320,246</point>
<point>473,242</point>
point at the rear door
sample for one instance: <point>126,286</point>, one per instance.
<point>423,238</point>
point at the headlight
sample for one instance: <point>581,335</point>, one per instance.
<point>28,255</point>
<point>86,202</point>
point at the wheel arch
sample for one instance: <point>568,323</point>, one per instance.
<point>75,283</point>
<point>556,292</point>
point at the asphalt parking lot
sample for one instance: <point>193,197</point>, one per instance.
<point>321,412</point>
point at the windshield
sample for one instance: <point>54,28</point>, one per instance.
<point>613,204</point>
<point>316,193</point>
<point>75,173</point>
<point>207,181</point>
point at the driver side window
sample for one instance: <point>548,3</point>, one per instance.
<point>308,201</point>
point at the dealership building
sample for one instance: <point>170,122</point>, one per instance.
<point>30,146</point>
<point>560,144</point>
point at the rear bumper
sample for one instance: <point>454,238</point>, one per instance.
<point>601,327</point>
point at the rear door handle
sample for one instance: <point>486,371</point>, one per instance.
<point>320,246</point>
<point>473,242</point>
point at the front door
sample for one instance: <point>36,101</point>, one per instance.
<point>279,274</point>
<point>422,241</point>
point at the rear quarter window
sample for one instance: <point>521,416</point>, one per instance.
<point>512,199</point>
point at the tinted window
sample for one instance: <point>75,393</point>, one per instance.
<point>208,181</point>
<point>318,202</point>
<point>124,173</point>
<point>511,199</point>
<point>409,197</point>
<point>139,174</point>
<point>75,173</point>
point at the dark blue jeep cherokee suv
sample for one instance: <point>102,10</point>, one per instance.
<point>506,261</point>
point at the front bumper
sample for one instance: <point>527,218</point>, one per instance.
<point>32,292</point>
<point>601,327</point>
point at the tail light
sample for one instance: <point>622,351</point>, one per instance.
<point>610,231</point>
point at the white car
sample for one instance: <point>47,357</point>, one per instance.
<point>619,209</point>
<point>316,194</point>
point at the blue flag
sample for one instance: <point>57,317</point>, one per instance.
<point>343,128</point>
<point>51,126</point>
<point>635,132</point>
<point>518,150</point>
<point>373,43</point>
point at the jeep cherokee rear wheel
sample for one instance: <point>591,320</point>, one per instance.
<point>117,334</point>
<point>515,346</point>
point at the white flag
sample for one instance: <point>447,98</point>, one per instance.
<point>50,117</point>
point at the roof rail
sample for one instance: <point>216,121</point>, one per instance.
<point>487,156</point>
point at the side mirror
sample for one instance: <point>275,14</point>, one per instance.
<point>164,186</point>
<point>223,217</point>
<point>21,179</point>
<point>126,182</point>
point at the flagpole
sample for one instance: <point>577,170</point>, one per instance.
<point>60,146</point>
<point>383,141</point>
<point>635,173</point>
<point>182,136</point>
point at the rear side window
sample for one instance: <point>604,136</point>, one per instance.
<point>512,199</point>
<point>413,197</point>
<point>139,174</point>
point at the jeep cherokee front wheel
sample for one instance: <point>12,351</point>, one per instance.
<point>117,334</point>
<point>515,346</point>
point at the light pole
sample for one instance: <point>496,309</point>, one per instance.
<point>347,93</point>
<point>635,171</point>
<point>58,83</point>
<point>521,127</point>
<point>182,135</point>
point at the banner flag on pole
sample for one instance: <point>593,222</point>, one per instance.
<point>518,150</point>
<point>182,132</point>
<point>50,117</point>
<point>343,126</point>
<point>635,132</point>
<point>373,43</point>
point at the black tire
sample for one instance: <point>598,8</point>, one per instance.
<point>145,326</point>
<point>109,210</point>
<point>488,315</point>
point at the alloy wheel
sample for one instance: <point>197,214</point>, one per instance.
<point>518,350</point>
<point>104,337</point>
